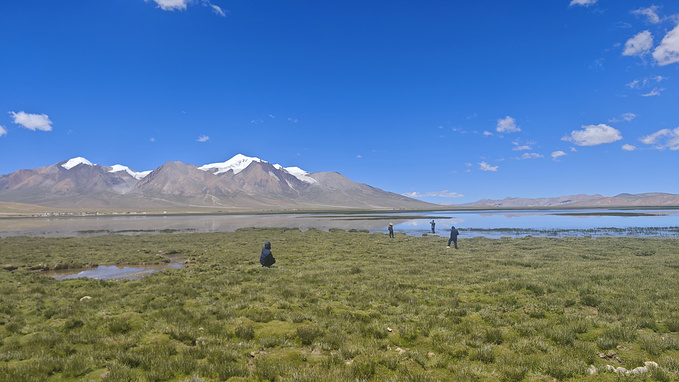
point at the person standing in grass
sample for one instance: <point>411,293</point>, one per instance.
<point>267,259</point>
<point>433,226</point>
<point>391,230</point>
<point>453,236</point>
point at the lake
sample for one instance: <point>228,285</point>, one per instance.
<point>488,223</point>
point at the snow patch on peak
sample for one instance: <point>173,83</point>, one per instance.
<point>76,161</point>
<point>300,174</point>
<point>238,163</point>
<point>137,175</point>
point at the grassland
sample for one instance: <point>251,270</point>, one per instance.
<point>341,306</point>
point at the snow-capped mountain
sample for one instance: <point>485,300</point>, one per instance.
<point>240,162</point>
<point>240,183</point>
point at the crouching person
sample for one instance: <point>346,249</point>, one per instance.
<point>267,258</point>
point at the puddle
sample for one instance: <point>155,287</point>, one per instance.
<point>112,272</point>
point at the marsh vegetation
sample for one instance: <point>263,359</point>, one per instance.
<point>341,305</point>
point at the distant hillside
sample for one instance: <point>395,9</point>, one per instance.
<point>655,199</point>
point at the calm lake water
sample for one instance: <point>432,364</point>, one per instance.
<point>492,224</point>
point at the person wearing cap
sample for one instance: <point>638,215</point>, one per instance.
<point>453,236</point>
<point>267,259</point>
<point>391,230</point>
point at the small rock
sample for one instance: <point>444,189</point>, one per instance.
<point>592,370</point>
<point>85,298</point>
<point>389,329</point>
<point>430,354</point>
<point>316,351</point>
<point>650,364</point>
<point>349,362</point>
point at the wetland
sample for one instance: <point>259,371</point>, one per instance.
<point>341,305</point>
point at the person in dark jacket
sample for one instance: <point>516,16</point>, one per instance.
<point>453,236</point>
<point>433,226</point>
<point>391,230</point>
<point>267,258</point>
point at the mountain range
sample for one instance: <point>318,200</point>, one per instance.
<point>651,199</point>
<point>240,183</point>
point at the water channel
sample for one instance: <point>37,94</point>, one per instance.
<point>487,223</point>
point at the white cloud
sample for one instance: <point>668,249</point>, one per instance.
<point>585,3</point>
<point>628,147</point>
<point>668,50</point>
<point>32,121</point>
<point>3,131</point>
<point>593,135</point>
<point>293,120</point>
<point>530,156</point>
<point>152,139</point>
<point>650,13</point>
<point>627,117</point>
<point>487,133</point>
<point>520,146</point>
<point>654,92</point>
<point>217,10</point>
<point>639,44</point>
<point>645,82</point>
<point>441,194</point>
<point>203,138</point>
<point>663,139</point>
<point>486,167</point>
<point>507,125</point>
<point>557,154</point>
<point>359,156</point>
<point>171,5</point>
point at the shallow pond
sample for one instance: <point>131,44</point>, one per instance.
<point>112,272</point>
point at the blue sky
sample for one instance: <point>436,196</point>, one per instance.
<point>446,101</point>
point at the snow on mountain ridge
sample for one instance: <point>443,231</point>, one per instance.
<point>76,161</point>
<point>240,162</point>
<point>137,175</point>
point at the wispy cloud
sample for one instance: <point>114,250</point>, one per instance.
<point>217,10</point>
<point>440,194</point>
<point>507,125</point>
<point>483,166</point>
<point>293,120</point>
<point>628,147</point>
<point>650,13</point>
<point>3,131</point>
<point>663,139</point>
<point>32,121</point>
<point>585,3</point>
<point>627,117</point>
<point>668,51</point>
<point>638,45</point>
<point>556,154</point>
<point>654,92</point>
<point>529,156</point>
<point>645,82</point>
<point>593,135</point>
<point>203,138</point>
<point>521,146</point>
<point>487,133</point>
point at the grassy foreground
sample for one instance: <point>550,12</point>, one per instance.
<point>341,306</point>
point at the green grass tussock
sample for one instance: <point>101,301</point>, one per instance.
<point>340,306</point>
